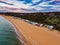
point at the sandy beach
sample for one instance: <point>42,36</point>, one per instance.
<point>33,35</point>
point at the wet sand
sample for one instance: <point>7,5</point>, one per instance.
<point>33,35</point>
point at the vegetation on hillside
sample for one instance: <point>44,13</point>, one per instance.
<point>51,18</point>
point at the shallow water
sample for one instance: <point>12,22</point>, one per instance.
<point>7,33</point>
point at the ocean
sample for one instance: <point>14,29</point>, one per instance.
<point>8,35</point>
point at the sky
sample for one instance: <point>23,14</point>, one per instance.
<point>30,6</point>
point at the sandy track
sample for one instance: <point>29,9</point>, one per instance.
<point>35,35</point>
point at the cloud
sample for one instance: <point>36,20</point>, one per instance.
<point>33,6</point>
<point>34,1</point>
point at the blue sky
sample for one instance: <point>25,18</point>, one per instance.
<point>28,6</point>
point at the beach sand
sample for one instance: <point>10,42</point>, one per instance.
<point>33,35</point>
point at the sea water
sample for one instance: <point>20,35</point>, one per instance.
<point>7,33</point>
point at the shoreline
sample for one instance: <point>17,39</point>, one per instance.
<point>15,30</point>
<point>34,30</point>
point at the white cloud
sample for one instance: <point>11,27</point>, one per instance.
<point>34,1</point>
<point>28,6</point>
<point>39,8</point>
